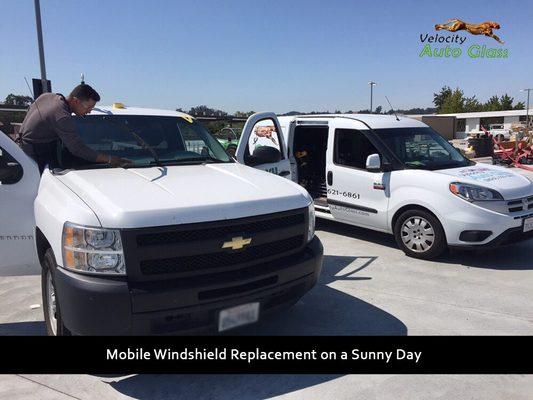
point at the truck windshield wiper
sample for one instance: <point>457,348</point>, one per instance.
<point>140,141</point>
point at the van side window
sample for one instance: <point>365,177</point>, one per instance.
<point>10,170</point>
<point>352,148</point>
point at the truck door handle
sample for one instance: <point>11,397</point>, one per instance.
<point>284,173</point>
<point>330,178</point>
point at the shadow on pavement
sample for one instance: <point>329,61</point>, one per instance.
<point>326,310</point>
<point>29,328</point>
<point>356,232</point>
<point>221,387</point>
<point>517,257</point>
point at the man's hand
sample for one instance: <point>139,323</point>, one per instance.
<point>119,161</point>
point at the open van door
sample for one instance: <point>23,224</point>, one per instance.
<point>19,183</point>
<point>262,145</point>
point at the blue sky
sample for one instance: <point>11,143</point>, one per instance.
<point>261,55</point>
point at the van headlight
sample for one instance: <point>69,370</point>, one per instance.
<point>92,250</point>
<point>311,230</point>
<point>474,193</point>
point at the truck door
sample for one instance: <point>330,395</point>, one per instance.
<point>19,182</point>
<point>263,146</point>
<point>355,195</point>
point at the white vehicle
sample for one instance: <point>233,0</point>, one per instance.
<point>499,132</point>
<point>397,176</point>
<point>184,239</point>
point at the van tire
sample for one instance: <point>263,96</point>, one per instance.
<point>415,225</point>
<point>54,326</point>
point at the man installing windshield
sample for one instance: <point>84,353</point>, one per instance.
<point>50,119</point>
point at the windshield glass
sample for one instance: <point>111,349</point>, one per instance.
<point>422,148</point>
<point>174,140</point>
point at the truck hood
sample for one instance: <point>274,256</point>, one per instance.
<point>158,196</point>
<point>509,184</point>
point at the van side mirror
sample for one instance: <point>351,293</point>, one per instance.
<point>264,155</point>
<point>373,163</point>
<point>10,173</point>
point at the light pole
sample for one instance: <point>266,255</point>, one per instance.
<point>41,45</point>
<point>372,84</point>
<point>527,108</point>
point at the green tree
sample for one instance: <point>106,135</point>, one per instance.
<point>520,106</point>
<point>204,111</point>
<point>454,103</point>
<point>472,104</point>
<point>18,100</point>
<point>506,102</point>
<point>493,104</point>
<point>440,98</point>
<point>243,114</point>
<point>378,110</point>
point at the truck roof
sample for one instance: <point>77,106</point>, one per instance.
<point>375,121</point>
<point>126,110</point>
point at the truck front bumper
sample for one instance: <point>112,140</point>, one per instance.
<point>92,305</point>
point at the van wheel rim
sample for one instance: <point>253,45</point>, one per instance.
<point>52,308</point>
<point>418,234</point>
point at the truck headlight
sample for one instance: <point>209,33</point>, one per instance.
<point>474,193</point>
<point>311,230</point>
<point>92,250</point>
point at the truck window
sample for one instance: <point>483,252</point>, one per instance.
<point>352,148</point>
<point>10,170</point>
<point>173,139</point>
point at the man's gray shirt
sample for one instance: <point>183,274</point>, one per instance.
<point>49,119</point>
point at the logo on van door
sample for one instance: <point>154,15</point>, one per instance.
<point>237,243</point>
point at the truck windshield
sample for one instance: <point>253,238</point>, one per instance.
<point>174,140</point>
<point>422,148</point>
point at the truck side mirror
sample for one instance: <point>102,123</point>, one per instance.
<point>373,163</point>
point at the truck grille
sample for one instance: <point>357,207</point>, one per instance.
<point>198,250</point>
<point>168,237</point>
<point>519,205</point>
<point>220,259</point>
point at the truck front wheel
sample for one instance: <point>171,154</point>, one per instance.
<point>52,313</point>
<point>420,234</point>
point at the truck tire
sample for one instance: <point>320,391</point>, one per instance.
<point>52,314</point>
<point>420,234</point>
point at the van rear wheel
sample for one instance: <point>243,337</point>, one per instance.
<point>52,313</point>
<point>420,234</point>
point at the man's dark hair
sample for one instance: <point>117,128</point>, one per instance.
<point>85,92</point>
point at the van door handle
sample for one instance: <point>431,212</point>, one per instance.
<point>284,173</point>
<point>330,178</point>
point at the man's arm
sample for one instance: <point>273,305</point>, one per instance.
<point>66,130</point>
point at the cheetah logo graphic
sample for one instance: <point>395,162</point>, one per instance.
<point>484,28</point>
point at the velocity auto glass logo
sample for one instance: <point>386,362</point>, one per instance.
<point>433,44</point>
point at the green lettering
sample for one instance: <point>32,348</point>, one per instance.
<point>473,51</point>
<point>426,51</point>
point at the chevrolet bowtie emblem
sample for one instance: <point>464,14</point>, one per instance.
<point>237,243</point>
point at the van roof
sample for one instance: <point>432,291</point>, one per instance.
<point>375,121</point>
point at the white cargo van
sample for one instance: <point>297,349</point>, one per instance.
<point>184,239</point>
<point>395,175</point>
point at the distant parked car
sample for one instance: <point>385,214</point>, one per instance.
<point>499,132</point>
<point>229,139</point>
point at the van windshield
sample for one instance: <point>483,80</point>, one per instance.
<point>145,140</point>
<point>422,148</point>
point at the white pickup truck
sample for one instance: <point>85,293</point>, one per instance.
<point>184,239</point>
<point>395,175</point>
